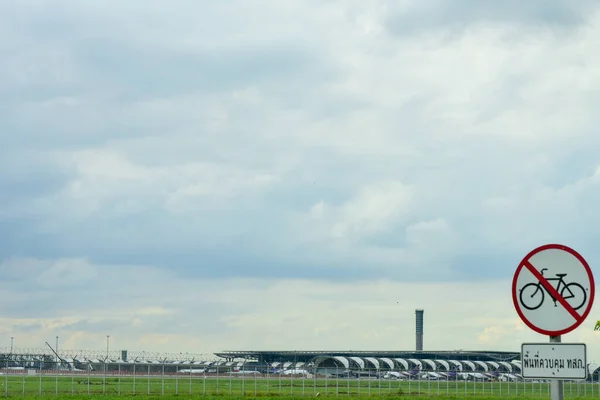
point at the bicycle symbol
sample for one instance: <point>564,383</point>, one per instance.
<point>569,291</point>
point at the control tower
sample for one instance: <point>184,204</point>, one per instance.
<point>419,328</point>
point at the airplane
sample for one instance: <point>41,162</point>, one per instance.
<point>510,377</point>
<point>340,374</point>
<point>295,372</point>
<point>500,376</point>
<point>428,375</point>
<point>493,376</point>
<point>237,371</point>
<point>364,374</point>
<point>192,371</point>
<point>450,375</point>
<point>393,375</point>
<point>485,376</point>
<point>455,374</point>
<point>431,376</point>
<point>413,373</point>
<point>478,376</point>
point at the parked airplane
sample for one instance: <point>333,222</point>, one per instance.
<point>485,376</point>
<point>237,371</point>
<point>413,373</point>
<point>192,371</point>
<point>274,371</point>
<point>295,372</point>
<point>493,376</point>
<point>510,377</point>
<point>478,376</point>
<point>432,376</point>
<point>364,374</point>
<point>393,375</point>
<point>339,374</point>
<point>453,375</point>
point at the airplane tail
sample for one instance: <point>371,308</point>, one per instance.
<point>413,372</point>
<point>454,373</point>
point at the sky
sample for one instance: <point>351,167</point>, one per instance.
<point>299,175</point>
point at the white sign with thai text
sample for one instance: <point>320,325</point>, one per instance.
<point>554,360</point>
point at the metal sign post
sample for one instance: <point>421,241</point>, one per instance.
<point>556,385</point>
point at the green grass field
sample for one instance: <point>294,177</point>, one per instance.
<point>236,387</point>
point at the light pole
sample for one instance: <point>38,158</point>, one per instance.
<point>11,344</point>
<point>6,381</point>
<point>57,360</point>
<point>105,365</point>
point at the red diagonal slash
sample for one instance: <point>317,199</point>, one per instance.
<point>553,292</point>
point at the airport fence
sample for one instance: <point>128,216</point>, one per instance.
<point>165,379</point>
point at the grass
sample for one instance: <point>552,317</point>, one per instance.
<point>169,387</point>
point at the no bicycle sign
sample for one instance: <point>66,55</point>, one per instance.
<point>553,289</point>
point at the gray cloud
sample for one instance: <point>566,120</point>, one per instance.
<point>441,15</point>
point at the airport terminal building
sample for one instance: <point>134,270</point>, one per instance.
<point>328,362</point>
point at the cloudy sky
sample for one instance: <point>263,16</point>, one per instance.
<point>205,176</point>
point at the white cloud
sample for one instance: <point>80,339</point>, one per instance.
<point>373,210</point>
<point>108,181</point>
